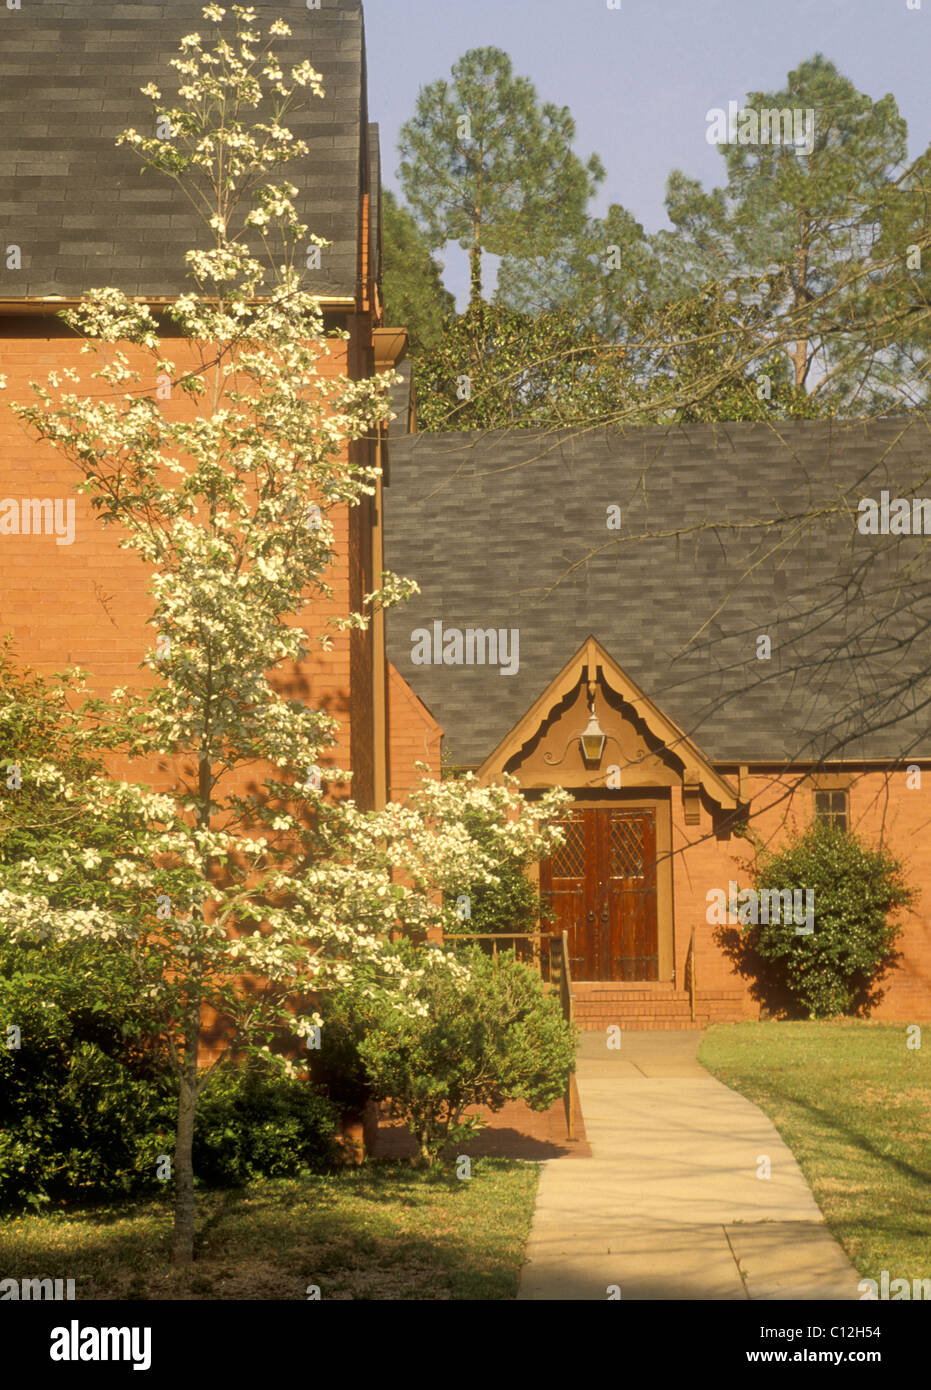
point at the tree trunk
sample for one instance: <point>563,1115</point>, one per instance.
<point>800,361</point>
<point>422,1123</point>
<point>182,1248</point>
<point>802,296</point>
<point>475,266</point>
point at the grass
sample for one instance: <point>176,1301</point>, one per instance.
<point>382,1231</point>
<point>853,1103</point>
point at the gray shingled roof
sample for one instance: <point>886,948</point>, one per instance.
<point>79,208</point>
<point>400,397</point>
<point>374,146</point>
<point>509,530</point>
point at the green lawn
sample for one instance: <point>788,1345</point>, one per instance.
<point>854,1105</point>
<point>380,1231</point>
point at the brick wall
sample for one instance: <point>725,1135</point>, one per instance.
<point>87,603</point>
<point>413,737</point>
<point>882,809</point>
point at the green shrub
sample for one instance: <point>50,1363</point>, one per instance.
<point>487,1033</point>
<point>836,969</point>
<point>512,904</point>
<point>88,1106</point>
<point>252,1123</point>
<point>336,1068</point>
<point>80,1116</point>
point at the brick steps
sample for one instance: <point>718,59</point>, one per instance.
<point>648,989</point>
<point>648,1022</point>
<point>642,1006</point>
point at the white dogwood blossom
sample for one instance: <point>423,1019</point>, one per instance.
<point>248,867</point>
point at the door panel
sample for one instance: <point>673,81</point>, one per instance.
<point>630,856</point>
<point>601,885</point>
<point>563,881</point>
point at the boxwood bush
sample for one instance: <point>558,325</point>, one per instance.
<point>253,1123</point>
<point>87,1105</point>
<point>80,1116</point>
<point>857,890</point>
<point>486,1033</point>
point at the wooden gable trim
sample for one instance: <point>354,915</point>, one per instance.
<point>697,774</point>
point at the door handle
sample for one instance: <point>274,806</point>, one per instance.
<point>590,918</point>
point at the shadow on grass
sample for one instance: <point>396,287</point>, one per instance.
<point>818,1116</point>
<point>381,1232</point>
<point>866,1145</point>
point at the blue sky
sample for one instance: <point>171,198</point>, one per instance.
<point>639,80</point>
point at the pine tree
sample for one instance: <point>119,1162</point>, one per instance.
<point>807,215</point>
<point>486,165</point>
<point>597,275</point>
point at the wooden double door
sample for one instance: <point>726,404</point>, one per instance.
<point>601,887</point>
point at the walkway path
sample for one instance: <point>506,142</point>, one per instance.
<point>670,1205</point>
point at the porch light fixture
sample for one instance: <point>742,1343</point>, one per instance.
<point>593,739</point>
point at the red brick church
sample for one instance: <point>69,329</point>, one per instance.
<point>79,214</point>
<point>643,617</point>
<point>624,664</point>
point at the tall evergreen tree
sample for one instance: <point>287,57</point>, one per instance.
<point>901,320</point>
<point>597,275</point>
<point>486,165</point>
<point>809,214</point>
<point>414,294</point>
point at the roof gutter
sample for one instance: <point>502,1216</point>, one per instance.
<point>44,304</point>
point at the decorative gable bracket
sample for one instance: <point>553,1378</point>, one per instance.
<point>691,796</point>
<point>698,776</point>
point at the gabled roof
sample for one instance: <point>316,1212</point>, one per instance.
<point>509,530</point>
<point>78,206</point>
<point>374,152</point>
<point>589,659</point>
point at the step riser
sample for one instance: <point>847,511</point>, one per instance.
<point>656,1010</point>
<point>650,1025</point>
<point>598,1005</point>
<point>644,1011</point>
<point>612,990</point>
<point>607,1000</point>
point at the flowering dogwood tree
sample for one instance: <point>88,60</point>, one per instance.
<point>241,903</point>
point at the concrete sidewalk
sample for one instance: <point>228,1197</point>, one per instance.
<point>670,1205</point>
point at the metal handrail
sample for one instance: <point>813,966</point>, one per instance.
<point>565,990</point>
<point>496,936</point>
<point>690,974</point>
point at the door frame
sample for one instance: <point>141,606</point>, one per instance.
<point>659,800</point>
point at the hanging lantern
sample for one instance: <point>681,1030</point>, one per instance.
<point>593,739</point>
